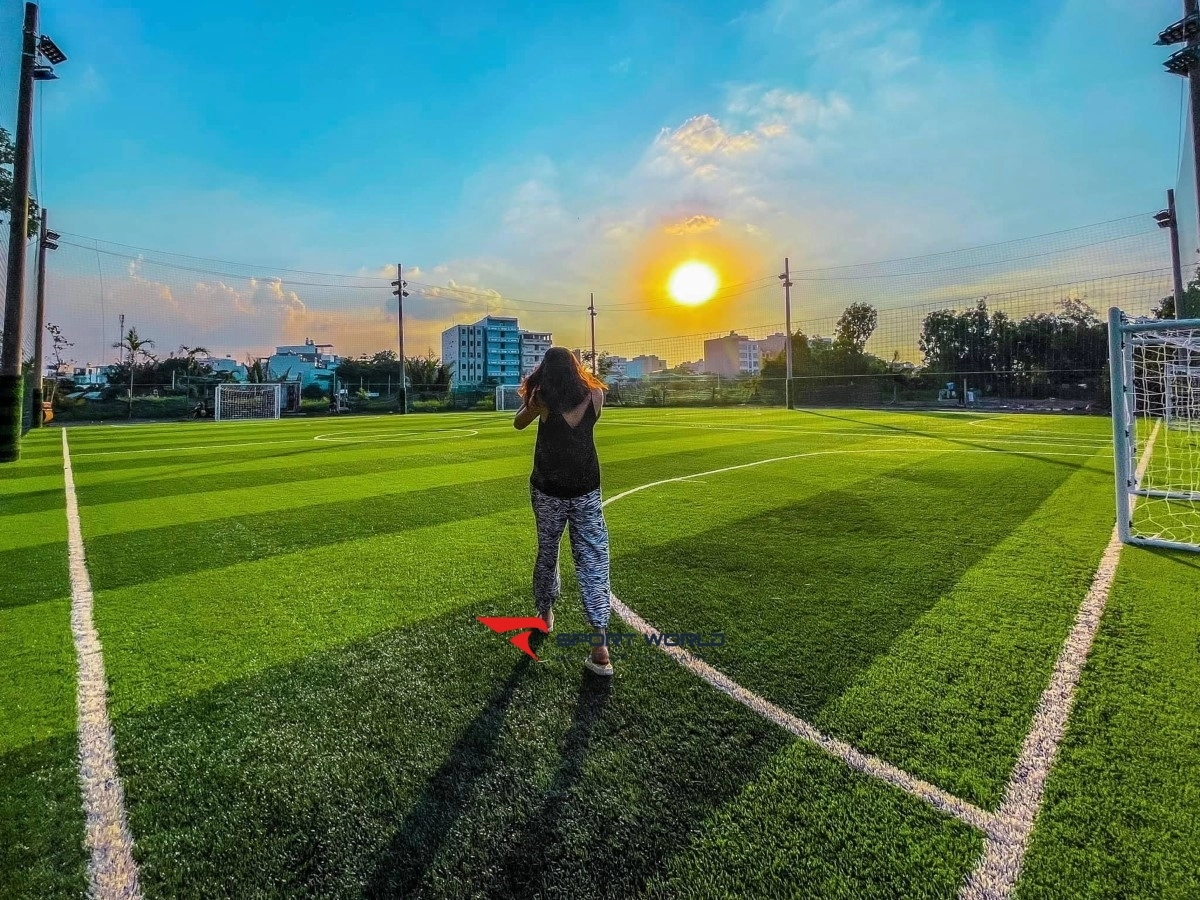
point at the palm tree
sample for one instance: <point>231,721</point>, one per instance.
<point>136,346</point>
<point>191,353</point>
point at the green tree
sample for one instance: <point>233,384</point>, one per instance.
<point>855,327</point>
<point>8,155</point>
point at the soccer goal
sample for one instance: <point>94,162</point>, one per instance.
<point>246,401</point>
<point>507,398</point>
<point>1155,366</point>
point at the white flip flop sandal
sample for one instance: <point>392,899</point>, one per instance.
<point>593,666</point>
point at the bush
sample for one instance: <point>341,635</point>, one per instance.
<point>314,392</point>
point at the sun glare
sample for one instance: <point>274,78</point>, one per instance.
<point>692,283</point>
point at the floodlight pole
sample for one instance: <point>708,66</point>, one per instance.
<point>400,284</point>
<point>1186,63</point>
<point>1167,219</point>
<point>46,241</point>
<point>14,293</point>
<point>786,277</point>
<point>592,313</point>
<point>1184,308</point>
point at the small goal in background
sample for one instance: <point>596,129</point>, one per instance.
<point>247,401</point>
<point>507,398</point>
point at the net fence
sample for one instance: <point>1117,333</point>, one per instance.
<point>1013,324</point>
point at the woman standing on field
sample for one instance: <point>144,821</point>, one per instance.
<point>565,489</point>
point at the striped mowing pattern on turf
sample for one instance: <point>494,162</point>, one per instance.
<point>120,514</point>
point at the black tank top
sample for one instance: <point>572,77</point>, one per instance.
<point>565,463</point>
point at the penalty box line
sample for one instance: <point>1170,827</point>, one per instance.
<point>112,870</point>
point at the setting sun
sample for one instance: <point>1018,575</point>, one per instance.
<point>692,283</point>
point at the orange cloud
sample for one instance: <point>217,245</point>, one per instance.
<point>697,224</point>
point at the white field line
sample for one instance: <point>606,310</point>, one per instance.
<point>995,876</point>
<point>112,871</point>
<point>856,759</point>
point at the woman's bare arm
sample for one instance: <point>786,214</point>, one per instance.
<point>526,414</point>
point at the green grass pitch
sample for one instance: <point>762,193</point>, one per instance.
<point>305,705</point>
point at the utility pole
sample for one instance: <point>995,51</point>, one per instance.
<point>1186,63</point>
<point>11,382</point>
<point>400,284</point>
<point>47,240</point>
<point>592,313</point>
<point>1166,219</point>
<point>786,278</point>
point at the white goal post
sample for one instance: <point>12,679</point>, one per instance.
<point>246,401</point>
<point>1155,369</point>
<point>507,398</point>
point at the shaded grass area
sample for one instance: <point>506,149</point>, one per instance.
<point>436,761</point>
<point>41,821</point>
<point>1122,813</point>
<point>971,669</point>
<point>807,614</point>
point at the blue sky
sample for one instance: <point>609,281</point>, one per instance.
<point>538,150</point>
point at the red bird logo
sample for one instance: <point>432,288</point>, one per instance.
<point>501,624</point>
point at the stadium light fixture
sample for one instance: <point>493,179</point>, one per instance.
<point>50,241</point>
<point>50,50</point>
<point>1181,62</point>
<point>1164,218</point>
<point>1185,29</point>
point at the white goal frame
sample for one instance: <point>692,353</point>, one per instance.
<point>239,402</point>
<point>507,398</point>
<point>1155,372</point>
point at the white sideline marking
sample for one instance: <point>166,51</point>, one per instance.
<point>855,759</point>
<point>112,871</point>
<point>995,875</point>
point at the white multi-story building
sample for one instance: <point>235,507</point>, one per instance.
<point>490,349</point>
<point>534,345</point>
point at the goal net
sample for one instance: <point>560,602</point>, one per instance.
<point>246,401</point>
<point>507,398</point>
<point>1155,369</point>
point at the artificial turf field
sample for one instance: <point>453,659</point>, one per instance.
<point>304,703</point>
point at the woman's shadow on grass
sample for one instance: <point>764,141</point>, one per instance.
<point>526,865</point>
<point>403,865</point>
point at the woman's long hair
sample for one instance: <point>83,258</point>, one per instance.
<point>559,382</point>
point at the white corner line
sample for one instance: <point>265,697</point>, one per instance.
<point>112,870</point>
<point>995,875</point>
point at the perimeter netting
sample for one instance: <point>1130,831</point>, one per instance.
<point>247,401</point>
<point>507,398</point>
<point>1159,366</point>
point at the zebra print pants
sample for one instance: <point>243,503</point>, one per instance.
<point>589,547</point>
